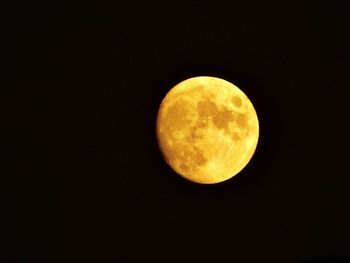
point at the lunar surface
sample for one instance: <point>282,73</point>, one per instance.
<point>207,129</point>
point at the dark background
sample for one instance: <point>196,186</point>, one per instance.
<point>87,182</point>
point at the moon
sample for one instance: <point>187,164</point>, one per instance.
<point>207,129</point>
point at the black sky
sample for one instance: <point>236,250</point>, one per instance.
<point>88,183</point>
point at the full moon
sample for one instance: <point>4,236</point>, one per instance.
<point>207,129</point>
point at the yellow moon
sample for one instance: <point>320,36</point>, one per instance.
<point>207,129</point>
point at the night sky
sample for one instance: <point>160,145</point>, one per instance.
<point>87,181</point>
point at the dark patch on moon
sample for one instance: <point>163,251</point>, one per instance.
<point>236,101</point>
<point>223,118</point>
<point>177,115</point>
<point>207,109</point>
<point>242,120</point>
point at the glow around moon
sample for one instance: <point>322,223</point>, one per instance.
<point>207,129</point>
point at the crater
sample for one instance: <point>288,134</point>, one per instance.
<point>200,87</point>
<point>235,136</point>
<point>191,158</point>
<point>184,167</point>
<point>194,134</point>
<point>202,123</point>
<point>198,157</point>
